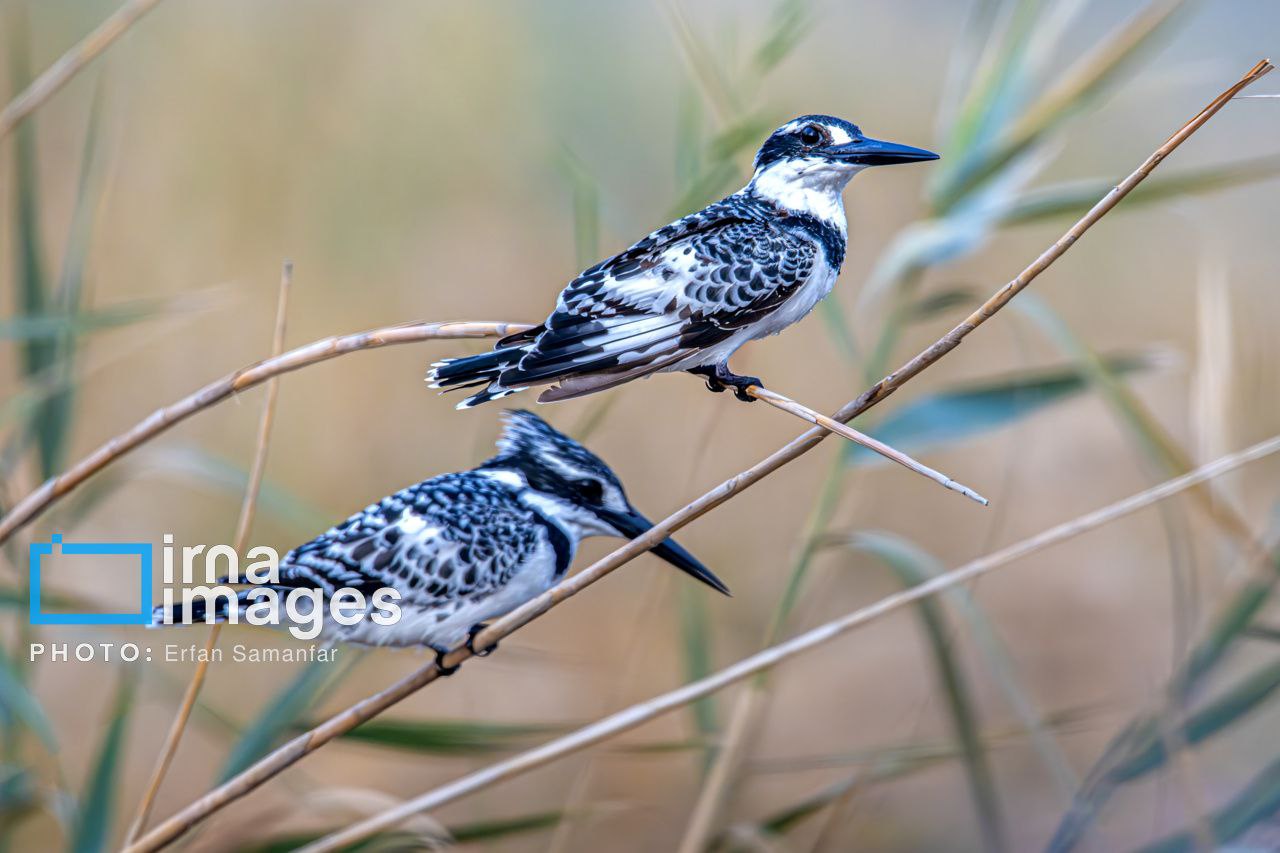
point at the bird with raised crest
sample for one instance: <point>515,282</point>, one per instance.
<point>465,548</point>
<point>687,296</point>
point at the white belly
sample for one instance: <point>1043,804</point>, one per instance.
<point>794,309</point>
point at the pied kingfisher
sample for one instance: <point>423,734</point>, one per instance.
<point>689,294</point>
<point>468,547</point>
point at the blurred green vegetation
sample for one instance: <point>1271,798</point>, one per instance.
<point>424,161</point>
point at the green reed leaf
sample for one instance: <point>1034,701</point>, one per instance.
<point>446,737</point>
<point>1077,89</point>
<point>947,417</point>
<point>495,829</point>
<point>278,718</point>
<point>96,808</point>
<point>790,22</point>
<point>1257,802</point>
<point>1074,198</point>
<point>20,704</point>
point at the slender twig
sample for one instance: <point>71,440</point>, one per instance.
<point>220,389</point>
<point>344,721</point>
<point>786,404</point>
<point>244,525</point>
<point>630,718</point>
<point>70,63</point>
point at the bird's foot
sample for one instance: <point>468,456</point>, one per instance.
<point>709,374</point>
<point>471,640</point>
<point>739,384</point>
<point>441,652</point>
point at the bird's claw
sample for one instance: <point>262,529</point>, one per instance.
<point>739,384</point>
<point>445,671</point>
<point>471,640</point>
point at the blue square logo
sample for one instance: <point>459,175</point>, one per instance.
<point>142,550</point>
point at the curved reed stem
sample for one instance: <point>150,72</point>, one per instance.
<point>309,741</point>
<point>630,718</point>
<point>215,392</point>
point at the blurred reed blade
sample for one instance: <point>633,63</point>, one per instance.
<point>278,719</point>
<point>838,329</point>
<point>910,559</point>
<point>1133,740</point>
<point>695,647</point>
<point>1073,198</point>
<point>96,808</point>
<point>912,567</point>
<point>585,192</point>
<point>996,84</point>
<point>1148,746</point>
<point>1078,87</point>
<point>32,287</point>
<point>1146,431</point>
<point>941,302</point>
<point>21,599</point>
<point>54,426</point>
<point>496,829</point>
<point>790,22</point>
<point>19,704</point>
<point>922,753</point>
<point>18,797</point>
<point>712,183</point>
<point>948,417</point>
<point>700,61</point>
<point>60,325</point>
<point>1257,803</point>
<point>189,464</point>
<point>446,737</point>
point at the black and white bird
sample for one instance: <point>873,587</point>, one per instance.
<point>688,295</point>
<point>468,547</point>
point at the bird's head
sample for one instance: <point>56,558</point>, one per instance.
<point>804,164</point>
<point>577,489</point>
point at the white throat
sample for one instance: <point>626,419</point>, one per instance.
<point>574,521</point>
<point>809,185</point>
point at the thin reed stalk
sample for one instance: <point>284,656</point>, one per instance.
<point>306,743</point>
<point>71,63</point>
<point>786,404</point>
<point>636,715</point>
<point>244,524</point>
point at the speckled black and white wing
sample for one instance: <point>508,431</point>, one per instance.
<point>455,547</point>
<point>682,289</point>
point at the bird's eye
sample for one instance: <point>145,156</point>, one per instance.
<point>810,135</point>
<point>591,490</point>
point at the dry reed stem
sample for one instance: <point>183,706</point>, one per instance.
<point>803,412</point>
<point>710,797</point>
<point>71,63</point>
<point>220,389</point>
<point>630,718</point>
<point>244,524</point>
<point>365,709</point>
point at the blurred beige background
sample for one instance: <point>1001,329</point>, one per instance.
<point>409,158</point>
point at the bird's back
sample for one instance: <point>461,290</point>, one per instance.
<point>661,304</point>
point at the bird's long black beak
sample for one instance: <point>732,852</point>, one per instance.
<point>875,152</point>
<point>632,524</point>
